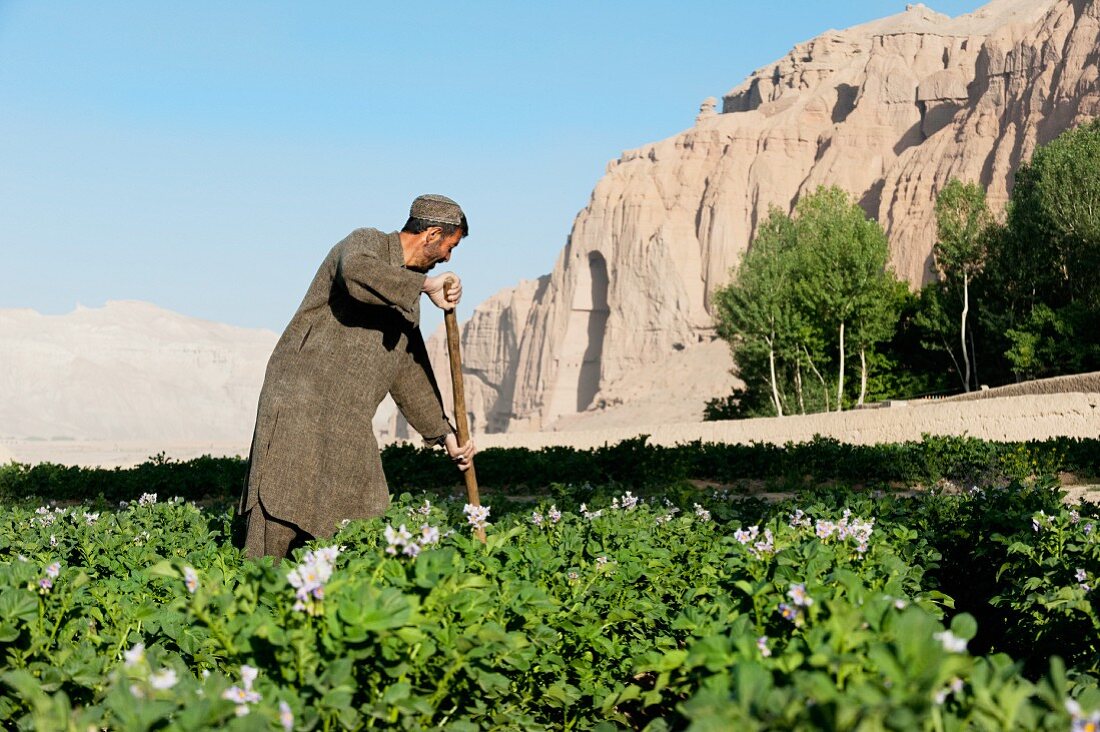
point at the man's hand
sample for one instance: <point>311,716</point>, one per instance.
<point>461,455</point>
<point>433,288</point>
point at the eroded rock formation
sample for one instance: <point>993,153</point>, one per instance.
<point>889,110</point>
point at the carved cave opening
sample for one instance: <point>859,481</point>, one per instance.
<point>578,369</point>
<point>588,380</point>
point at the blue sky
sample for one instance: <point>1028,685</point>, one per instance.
<point>205,156</point>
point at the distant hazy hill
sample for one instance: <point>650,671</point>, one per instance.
<point>128,371</point>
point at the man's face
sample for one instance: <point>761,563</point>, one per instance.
<point>437,247</point>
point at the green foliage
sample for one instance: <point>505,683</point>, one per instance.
<point>731,406</point>
<point>962,223</point>
<point>843,254</point>
<point>1039,343</point>
<point>192,479</point>
<point>829,612</point>
<point>903,367</point>
<point>844,279</point>
<point>631,463</point>
<point>1041,289</point>
<point>1034,279</point>
<point>938,330</point>
<point>1062,185</point>
<point>807,281</point>
<point>759,315</point>
<point>1045,584</point>
<point>964,228</point>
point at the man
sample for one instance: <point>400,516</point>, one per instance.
<point>314,460</point>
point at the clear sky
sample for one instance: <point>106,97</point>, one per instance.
<point>204,156</point>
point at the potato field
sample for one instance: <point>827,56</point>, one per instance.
<point>592,606</point>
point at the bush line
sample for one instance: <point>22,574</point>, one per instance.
<point>630,463</point>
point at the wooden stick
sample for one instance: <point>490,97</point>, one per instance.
<point>461,420</point>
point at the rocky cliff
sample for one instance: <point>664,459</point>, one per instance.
<point>889,110</point>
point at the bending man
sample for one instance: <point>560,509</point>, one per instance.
<point>314,460</point>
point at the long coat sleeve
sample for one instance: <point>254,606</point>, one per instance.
<point>314,459</point>
<point>416,393</point>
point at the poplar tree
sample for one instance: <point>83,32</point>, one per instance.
<point>810,286</point>
<point>1042,286</point>
<point>756,311</point>
<point>963,224</point>
<point>843,276</point>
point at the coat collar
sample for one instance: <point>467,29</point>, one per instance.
<point>393,248</point>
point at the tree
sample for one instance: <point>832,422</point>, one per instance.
<point>875,321</point>
<point>1041,287</point>
<point>757,308</point>
<point>937,324</point>
<point>963,222</point>
<point>904,366</point>
<point>808,284</point>
<point>1066,189</point>
<point>843,276</point>
<point>1036,345</point>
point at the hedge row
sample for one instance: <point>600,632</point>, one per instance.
<point>631,463</point>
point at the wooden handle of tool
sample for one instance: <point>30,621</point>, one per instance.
<point>461,420</point>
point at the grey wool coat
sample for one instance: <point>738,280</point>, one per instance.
<point>356,337</point>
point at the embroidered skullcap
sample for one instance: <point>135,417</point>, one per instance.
<point>437,209</point>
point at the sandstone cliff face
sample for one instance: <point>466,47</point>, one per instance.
<point>1030,82</point>
<point>889,110</point>
<point>490,345</point>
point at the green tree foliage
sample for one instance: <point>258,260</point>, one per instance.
<point>1040,342</point>
<point>1041,283</point>
<point>758,316</point>
<point>1035,276</point>
<point>875,324</point>
<point>812,292</point>
<point>844,281</point>
<point>903,367</point>
<point>937,326</point>
<point>1063,185</point>
<point>963,223</point>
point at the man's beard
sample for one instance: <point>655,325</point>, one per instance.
<point>433,253</point>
